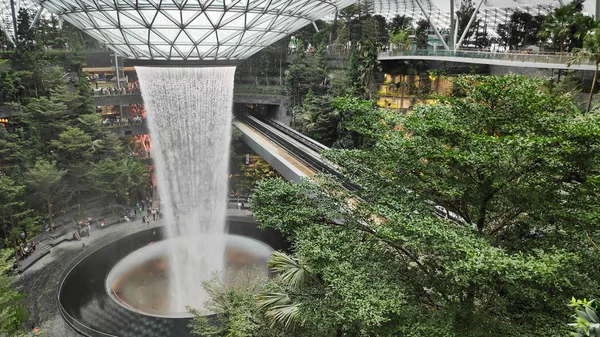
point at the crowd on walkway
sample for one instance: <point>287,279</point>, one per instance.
<point>137,115</point>
<point>132,87</point>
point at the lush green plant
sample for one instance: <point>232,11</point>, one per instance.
<point>513,167</point>
<point>586,322</point>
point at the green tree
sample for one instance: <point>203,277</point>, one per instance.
<point>586,322</point>
<point>12,315</point>
<point>510,169</point>
<point>590,50</point>
<point>521,30</point>
<point>422,34</point>
<point>400,40</point>
<point>566,26</point>
<point>400,23</point>
<point>232,300</point>
<point>45,179</point>
<point>306,73</point>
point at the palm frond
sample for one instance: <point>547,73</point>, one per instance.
<point>289,271</point>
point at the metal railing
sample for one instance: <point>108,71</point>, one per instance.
<point>518,56</point>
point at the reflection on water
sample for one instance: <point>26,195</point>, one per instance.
<point>141,280</point>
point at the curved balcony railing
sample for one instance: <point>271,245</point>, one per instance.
<point>518,56</point>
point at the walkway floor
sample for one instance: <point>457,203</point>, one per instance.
<point>40,280</point>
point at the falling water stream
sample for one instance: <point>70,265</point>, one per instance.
<point>189,117</point>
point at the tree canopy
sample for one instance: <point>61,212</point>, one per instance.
<point>475,216</point>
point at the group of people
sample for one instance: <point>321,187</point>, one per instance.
<point>133,87</point>
<point>146,211</point>
<point>83,229</point>
<point>137,112</point>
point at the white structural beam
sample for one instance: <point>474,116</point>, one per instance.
<point>471,20</point>
<point>36,18</point>
<point>437,32</point>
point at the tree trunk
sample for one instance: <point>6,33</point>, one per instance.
<point>589,105</point>
<point>16,252</point>
<point>402,94</point>
<point>50,217</point>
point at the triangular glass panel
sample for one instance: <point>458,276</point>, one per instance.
<point>154,38</point>
<point>163,21</point>
<point>173,15</point>
<point>188,15</point>
<point>185,50</point>
<point>183,39</point>
<point>217,5</point>
<point>134,38</point>
<point>148,15</point>
<point>169,35</point>
<point>201,21</point>
<point>100,21</point>
<point>130,19</point>
<point>238,22</point>
<point>230,16</point>
<point>257,5</point>
<point>197,34</point>
<point>210,38</point>
<point>105,4</point>
<point>226,35</point>
<point>140,34</point>
<point>264,25</point>
<point>214,17</point>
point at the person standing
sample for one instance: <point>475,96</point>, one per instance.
<point>153,214</point>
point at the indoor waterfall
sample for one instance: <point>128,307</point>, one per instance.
<point>189,118</point>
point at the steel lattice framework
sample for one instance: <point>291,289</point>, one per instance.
<point>191,29</point>
<point>492,12</point>
<point>6,19</point>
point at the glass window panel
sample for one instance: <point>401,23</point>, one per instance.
<point>126,19</point>
<point>230,16</point>
<point>196,34</point>
<point>155,38</point>
<point>225,35</point>
<point>183,39</point>
<point>201,22</point>
<point>237,22</point>
<point>148,15</point>
<point>101,21</point>
<point>210,39</point>
<point>214,17</point>
<point>162,21</point>
<point>170,34</point>
<point>186,15</point>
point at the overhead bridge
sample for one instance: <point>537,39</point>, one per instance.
<point>510,59</point>
<point>292,154</point>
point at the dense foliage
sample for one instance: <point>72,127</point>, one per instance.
<point>511,170</point>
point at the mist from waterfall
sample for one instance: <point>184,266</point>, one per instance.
<point>189,117</point>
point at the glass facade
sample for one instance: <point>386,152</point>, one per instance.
<point>191,29</point>
<point>492,12</point>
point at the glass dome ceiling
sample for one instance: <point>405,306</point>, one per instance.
<point>191,29</point>
<point>492,12</point>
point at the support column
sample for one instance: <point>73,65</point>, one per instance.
<point>437,32</point>
<point>36,18</point>
<point>452,19</point>
<point>14,17</point>
<point>117,70</point>
<point>464,34</point>
<point>597,9</point>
